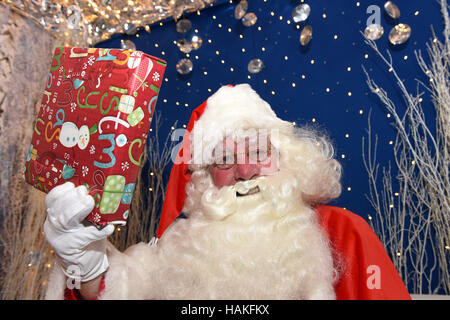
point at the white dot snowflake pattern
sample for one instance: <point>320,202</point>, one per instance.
<point>156,76</point>
<point>125,165</point>
<point>73,106</point>
<point>96,218</point>
<point>92,149</point>
<point>84,170</point>
<point>91,60</point>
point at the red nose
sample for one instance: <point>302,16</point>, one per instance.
<point>246,171</point>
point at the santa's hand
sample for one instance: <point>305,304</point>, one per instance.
<point>82,249</point>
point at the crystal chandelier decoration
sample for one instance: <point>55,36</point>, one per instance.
<point>85,23</point>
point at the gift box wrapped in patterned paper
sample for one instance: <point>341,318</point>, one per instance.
<point>92,125</point>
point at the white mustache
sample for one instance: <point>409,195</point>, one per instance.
<point>244,187</point>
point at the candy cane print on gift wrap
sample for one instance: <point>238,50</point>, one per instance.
<point>116,119</point>
<point>150,106</point>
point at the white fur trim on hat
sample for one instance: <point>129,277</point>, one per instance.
<point>228,110</point>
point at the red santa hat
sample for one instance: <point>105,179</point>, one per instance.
<point>229,109</point>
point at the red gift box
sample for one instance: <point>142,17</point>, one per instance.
<point>93,123</point>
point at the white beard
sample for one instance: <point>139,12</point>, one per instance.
<point>268,245</point>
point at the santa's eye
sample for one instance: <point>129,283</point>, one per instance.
<point>223,166</point>
<point>228,159</point>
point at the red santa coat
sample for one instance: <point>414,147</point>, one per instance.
<point>366,270</point>
<point>367,273</point>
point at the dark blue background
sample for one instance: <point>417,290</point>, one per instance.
<point>336,112</point>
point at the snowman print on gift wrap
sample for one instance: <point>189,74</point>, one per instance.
<point>71,135</point>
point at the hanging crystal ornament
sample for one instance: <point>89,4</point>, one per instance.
<point>306,35</point>
<point>392,10</point>
<point>184,66</point>
<point>129,28</point>
<point>44,6</point>
<point>127,44</point>
<point>240,9</point>
<point>99,25</point>
<point>249,19</point>
<point>183,26</point>
<point>374,31</point>
<point>255,66</point>
<point>73,17</point>
<point>301,12</point>
<point>184,45</point>
<point>400,34</point>
<point>196,42</point>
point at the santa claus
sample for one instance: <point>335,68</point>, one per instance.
<point>252,188</point>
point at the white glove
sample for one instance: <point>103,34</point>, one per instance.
<point>82,249</point>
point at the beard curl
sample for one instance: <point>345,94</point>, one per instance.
<point>309,156</point>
